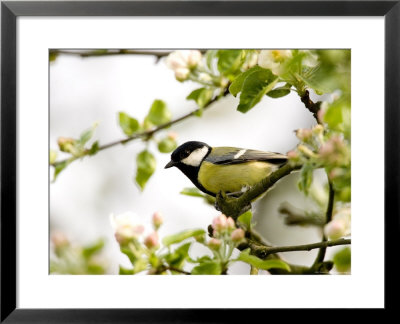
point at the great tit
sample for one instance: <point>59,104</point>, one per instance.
<point>228,169</point>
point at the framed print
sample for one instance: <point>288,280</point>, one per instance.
<point>183,136</point>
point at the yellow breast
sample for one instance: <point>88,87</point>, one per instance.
<point>232,178</point>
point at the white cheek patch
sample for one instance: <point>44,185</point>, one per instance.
<point>240,153</point>
<point>195,158</point>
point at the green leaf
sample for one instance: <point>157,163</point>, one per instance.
<point>237,84</point>
<point>94,148</point>
<point>262,264</point>
<point>52,156</point>
<point>255,86</point>
<point>280,91</point>
<point>193,192</point>
<point>230,61</point>
<point>207,268</point>
<point>95,269</point>
<point>146,165</point>
<point>58,168</point>
<point>178,256</point>
<point>128,124</point>
<point>125,271</point>
<point>342,260</point>
<point>201,96</point>
<point>167,145</point>
<point>338,116</point>
<point>246,219</point>
<point>89,250</point>
<point>86,135</point>
<point>179,237</point>
<point>306,177</point>
<point>159,113</point>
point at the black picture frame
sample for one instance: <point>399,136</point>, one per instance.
<point>11,10</point>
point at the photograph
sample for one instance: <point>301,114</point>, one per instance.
<point>199,161</point>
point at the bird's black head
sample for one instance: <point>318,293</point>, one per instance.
<point>189,154</point>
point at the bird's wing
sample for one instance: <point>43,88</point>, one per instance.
<point>234,155</point>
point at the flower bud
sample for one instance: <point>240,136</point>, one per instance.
<point>219,223</point>
<point>336,173</point>
<point>204,77</point>
<point>305,150</point>
<point>125,227</point>
<point>292,155</point>
<point>66,144</point>
<point>151,241</point>
<point>237,235</point>
<point>181,74</point>
<point>335,229</point>
<point>176,60</point>
<point>193,58</point>
<point>340,225</point>
<point>214,243</point>
<point>230,223</point>
<point>59,240</point>
<point>157,220</point>
<point>318,129</point>
<point>304,134</point>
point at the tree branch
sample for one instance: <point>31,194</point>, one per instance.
<point>297,216</point>
<point>146,134</point>
<point>104,52</point>
<point>234,207</point>
<point>310,105</point>
<point>329,210</point>
<point>263,252</point>
<point>100,52</point>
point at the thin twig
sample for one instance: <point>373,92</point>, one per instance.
<point>263,251</point>
<point>97,53</point>
<point>145,134</point>
<point>313,107</point>
<point>329,210</point>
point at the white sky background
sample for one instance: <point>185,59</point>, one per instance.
<point>85,90</point>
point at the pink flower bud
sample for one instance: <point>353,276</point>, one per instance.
<point>220,223</point>
<point>293,155</point>
<point>230,223</point>
<point>151,241</point>
<point>237,235</point>
<point>214,243</point>
<point>66,144</point>
<point>335,229</point>
<point>59,239</point>
<point>157,220</point>
<point>304,134</point>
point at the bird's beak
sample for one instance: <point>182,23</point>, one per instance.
<point>170,164</point>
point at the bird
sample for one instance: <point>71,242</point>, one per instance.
<point>228,170</point>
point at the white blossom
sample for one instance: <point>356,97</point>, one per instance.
<point>272,59</point>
